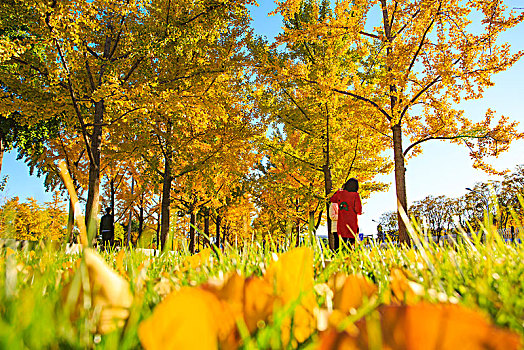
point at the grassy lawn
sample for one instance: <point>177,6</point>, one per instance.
<point>257,297</point>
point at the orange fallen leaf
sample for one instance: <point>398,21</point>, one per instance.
<point>194,261</point>
<point>292,279</point>
<point>258,302</point>
<point>352,293</point>
<point>230,292</point>
<point>331,339</point>
<point>404,290</point>
<point>191,318</point>
<point>120,263</point>
<point>426,326</point>
<point>9,252</point>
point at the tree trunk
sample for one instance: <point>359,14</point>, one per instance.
<point>130,212</point>
<point>166,189</point>
<point>225,230</point>
<point>94,172</point>
<point>141,216</point>
<point>158,224</point>
<point>328,183</point>
<point>217,233</point>
<point>400,183</point>
<point>297,223</point>
<point>112,183</point>
<point>166,202</point>
<point>328,187</point>
<point>192,223</point>
<point>297,229</point>
<point>70,222</point>
<point>206,228</point>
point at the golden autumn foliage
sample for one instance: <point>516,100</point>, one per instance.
<point>30,221</point>
<point>409,66</point>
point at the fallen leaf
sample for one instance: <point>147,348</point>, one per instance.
<point>120,263</point>
<point>197,260</point>
<point>425,326</point>
<point>258,302</point>
<point>109,293</point>
<point>352,293</point>
<point>9,252</point>
<point>403,290</point>
<point>190,318</point>
<point>332,339</point>
<point>292,279</point>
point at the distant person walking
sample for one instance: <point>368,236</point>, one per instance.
<point>107,229</point>
<point>349,206</point>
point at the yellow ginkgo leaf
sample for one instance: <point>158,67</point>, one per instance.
<point>120,262</point>
<point>292,279</point>
<point>9,251</point>
<point>404,290</point>
<point>194,261</point>
<point>352,293</point>
<point>258,302</point>
<point>230,292</point>
<point>190,318</point>
<point>292,274</point>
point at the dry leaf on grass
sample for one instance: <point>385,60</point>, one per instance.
<point>403,290</point>
<point>425,326</point>
<point>292,279</point>
<point>109,293</point>
<point>191,318</point>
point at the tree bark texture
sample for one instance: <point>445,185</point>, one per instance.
<point>141,216</point>
<point>94,171</point>
<point>400,182</point>
<point>70,222</point>
<point>166,189</point>
<point>206,228</point>
<point>217,228</point>
<point>192,223</point>
<point>130,213</point>
<point>328,183</point>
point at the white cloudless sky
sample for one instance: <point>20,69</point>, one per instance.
<point>442,169</point>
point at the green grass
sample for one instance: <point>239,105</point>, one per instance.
<point>485,275</point>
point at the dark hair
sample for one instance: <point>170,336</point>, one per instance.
<point>108,210</point>
<point>351,185</point>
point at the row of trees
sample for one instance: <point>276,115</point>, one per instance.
<point>440,215</point>
<point>31,221</point>
<point>176,109</point>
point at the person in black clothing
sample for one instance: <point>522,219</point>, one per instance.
<point>107,229</point>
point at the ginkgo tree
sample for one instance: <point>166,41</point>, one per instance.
<point>195,90</point>
<point>430,55</point>
<point>76,60</point>
<point>320,133</point>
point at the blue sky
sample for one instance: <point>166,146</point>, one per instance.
<point>442,169</point>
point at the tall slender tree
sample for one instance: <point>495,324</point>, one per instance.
<point>432,54</point>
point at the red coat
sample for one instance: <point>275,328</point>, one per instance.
<point>349,206</point>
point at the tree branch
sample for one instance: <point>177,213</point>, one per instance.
<point>365,100</point>
<point>443,138</point>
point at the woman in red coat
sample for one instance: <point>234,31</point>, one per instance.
<point>349,206</point>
